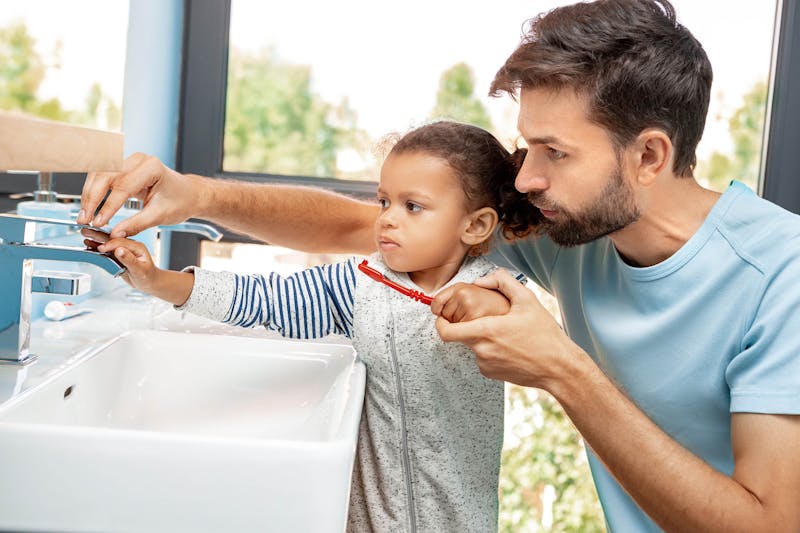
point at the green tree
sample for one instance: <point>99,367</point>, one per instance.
<point>746,127</point>
<point>22,71</point>
<point>545,484</point>
<point>100,109</point>
<point>456,99</point>
<point>274,122</point>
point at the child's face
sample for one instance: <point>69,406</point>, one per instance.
<point>423,215</point>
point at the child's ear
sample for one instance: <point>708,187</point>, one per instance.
<point>480,226</point>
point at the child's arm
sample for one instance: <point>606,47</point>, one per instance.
<point>308,304</point>
<point>144,275</point>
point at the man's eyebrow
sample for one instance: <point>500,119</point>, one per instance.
<point>547,139</point>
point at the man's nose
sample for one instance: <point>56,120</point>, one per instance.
<point>530,178</point>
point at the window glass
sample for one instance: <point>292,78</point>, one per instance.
<point>313,86</point>
<point>57,63</point>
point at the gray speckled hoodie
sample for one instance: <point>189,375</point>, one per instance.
<point>432,426</point>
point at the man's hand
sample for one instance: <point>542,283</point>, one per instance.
<point>465,301</point>
<point>168,196</point>
<point>524,346</point>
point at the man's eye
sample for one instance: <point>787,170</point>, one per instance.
<point>414,208</point>
<point>555,154</point>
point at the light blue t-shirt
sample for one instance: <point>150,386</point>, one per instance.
<point>712,330</point>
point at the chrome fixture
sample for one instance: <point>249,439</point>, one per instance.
<point>17,252</point>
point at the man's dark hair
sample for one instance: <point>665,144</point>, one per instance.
<point>636,65</point>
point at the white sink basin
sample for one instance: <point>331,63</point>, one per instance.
<point>165,431</point>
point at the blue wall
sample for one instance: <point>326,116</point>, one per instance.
<point>151,92</point>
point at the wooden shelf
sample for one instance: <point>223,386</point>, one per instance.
<point>31,143</point>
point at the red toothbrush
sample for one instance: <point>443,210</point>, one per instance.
<point>377,276</point>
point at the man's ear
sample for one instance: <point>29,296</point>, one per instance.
<point>653,152</point>
<point>480,226</point>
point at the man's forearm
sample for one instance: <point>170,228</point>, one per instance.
<point>674,487</point>
<point>302,218</point>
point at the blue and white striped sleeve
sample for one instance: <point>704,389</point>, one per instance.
<point>309,304</point>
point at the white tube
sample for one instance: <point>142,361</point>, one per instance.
<point>58,310</point>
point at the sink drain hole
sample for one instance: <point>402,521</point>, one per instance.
<point>68,391</point>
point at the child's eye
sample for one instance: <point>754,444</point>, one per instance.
<point>555,154</point>
<point>383,202</point>
<point>414,208</point>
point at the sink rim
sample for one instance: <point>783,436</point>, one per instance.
<point>350,413</point>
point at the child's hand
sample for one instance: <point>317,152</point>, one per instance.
<point>464,301</point>
<point>141,273</point>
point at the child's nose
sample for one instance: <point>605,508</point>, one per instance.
<point>387,218</point>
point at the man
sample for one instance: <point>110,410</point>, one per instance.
<point>680,363</point>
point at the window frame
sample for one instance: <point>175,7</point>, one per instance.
<point>780,157</point>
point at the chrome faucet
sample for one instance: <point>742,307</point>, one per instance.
<point>17,252</point>
<point>165,233</point>
<point>165,238</point>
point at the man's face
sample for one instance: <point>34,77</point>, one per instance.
<point>572,172</point>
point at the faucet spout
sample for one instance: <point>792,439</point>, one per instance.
<point>165,239</point>
<point>205,230</point>
<point>72,254</point>
<point>16,264</point>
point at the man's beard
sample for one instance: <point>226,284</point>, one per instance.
<point>614,208</point>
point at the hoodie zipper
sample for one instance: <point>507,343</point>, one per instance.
<point>412,521</point>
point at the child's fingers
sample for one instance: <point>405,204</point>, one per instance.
<point>136,248</point>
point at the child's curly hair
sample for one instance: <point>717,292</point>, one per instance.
<point>487,170</point>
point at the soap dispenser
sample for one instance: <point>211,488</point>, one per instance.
<point>45,204</point>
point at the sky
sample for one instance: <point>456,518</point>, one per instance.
<point>386,57</point>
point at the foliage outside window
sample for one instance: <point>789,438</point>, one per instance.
<point>28,67</point>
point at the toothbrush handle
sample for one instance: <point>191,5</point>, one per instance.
<point>377,276</point>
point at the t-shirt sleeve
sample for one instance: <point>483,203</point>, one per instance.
<point>309,304</point>
<point>764,377</point>
<point>533,256</point>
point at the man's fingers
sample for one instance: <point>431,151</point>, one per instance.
<point>129,182</point>
<point>463,332</point>
<point>504,282</point>
<point>94,190</point>
<point>97,185</point>
<point>115,200</point>
<point>142,220</point>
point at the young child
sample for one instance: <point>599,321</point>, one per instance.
<point>431,429</point>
